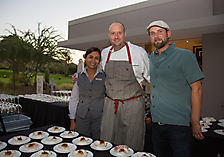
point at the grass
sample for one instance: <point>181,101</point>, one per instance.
<point>64,79</point>
<point>7,74</point>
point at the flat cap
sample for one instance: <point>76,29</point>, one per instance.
<point>159,23</point>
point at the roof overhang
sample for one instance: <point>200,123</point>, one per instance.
<point>181,29</point>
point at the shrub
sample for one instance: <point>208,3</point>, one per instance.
<point>57,68</point>
<point>4,65</point>
<point>72,69</point>
<point>10,92</point>
<point>10,85</point>
<point>65,86</point>
<point>61,68</point>
<point>23,80</point>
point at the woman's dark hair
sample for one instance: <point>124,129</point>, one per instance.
<point>90,50</point>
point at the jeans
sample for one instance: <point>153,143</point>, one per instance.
<point>172,140</point>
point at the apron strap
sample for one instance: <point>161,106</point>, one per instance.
<point>122,101</point>
<point>128,51</point>
<point>108,57</point>
<point>129,54</point>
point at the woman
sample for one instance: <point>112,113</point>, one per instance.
<point>87,99</point>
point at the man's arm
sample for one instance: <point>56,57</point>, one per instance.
<point>73,126</point>
<point>196,104</point>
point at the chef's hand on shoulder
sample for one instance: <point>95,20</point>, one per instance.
<point>74,78</point>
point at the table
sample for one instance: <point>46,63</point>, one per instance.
<point>49,147</point>
<point>43,113</point>
<point>212,145</point>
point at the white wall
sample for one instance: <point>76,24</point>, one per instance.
<point>213,70</point>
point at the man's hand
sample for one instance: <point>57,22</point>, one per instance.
<point>196,130</point>
<point>74,78</point>
<point>73,126</point>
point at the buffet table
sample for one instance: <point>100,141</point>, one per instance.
<point>212,145</point>
<point>48,147</point>
<point>43,113</point>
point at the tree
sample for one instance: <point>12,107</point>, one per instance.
<point>16,51</point>
<point>45,46</point>
<point>64,55</point>
<point>32,49</point>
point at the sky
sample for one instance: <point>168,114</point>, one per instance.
<point>25,14</point>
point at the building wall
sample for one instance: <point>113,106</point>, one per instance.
<point>218,7</point>
<point>213,70</point>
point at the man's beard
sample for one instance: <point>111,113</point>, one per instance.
<point>160,45</point>
<point>118,47</point>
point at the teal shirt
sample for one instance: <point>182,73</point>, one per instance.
<point>171,76</point>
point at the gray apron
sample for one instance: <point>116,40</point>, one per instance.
<point>123,120</point>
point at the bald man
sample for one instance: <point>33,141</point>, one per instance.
<point>126,66</point>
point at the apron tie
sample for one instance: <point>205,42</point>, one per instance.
<point>122,101</point>
<point>116,104</point>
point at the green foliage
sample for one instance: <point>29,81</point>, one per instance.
<point>4,65</point>
<point>13,81</point>
<point>11,85</point>
<point>72,69</point>
<point>31,52</point>
<point>64,79</point>
<point>58,68</point>
<point>44,42</point>
<point>1,83</point>
<point>62,68</point>
<point>16,51</point>
<point>24,80</point>
<point>5,72</point>
<point>9,92</point>
<point>20,80</point>
<point>65,86</point>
